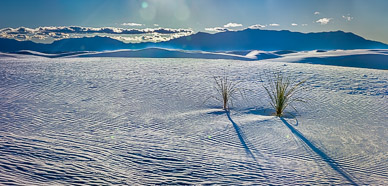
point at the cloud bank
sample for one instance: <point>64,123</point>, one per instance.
<point>62,32</point>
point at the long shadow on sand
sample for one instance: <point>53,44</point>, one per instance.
<point>324,156</point>
<point>241,136</point>
<point>239,132</point>
<point>243,141</point>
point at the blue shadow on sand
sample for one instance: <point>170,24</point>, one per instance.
<point>243,141</point>
<point>324,156</point>
<point>258,111</point>
<point>270,112</point>
<point>221,112</point>
<point>241,136</point>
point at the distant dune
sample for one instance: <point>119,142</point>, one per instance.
<point>6,55</point>
<point>166,53</point>
<point>375,59</point>
<point>34,53</point>
<point>361,58</point>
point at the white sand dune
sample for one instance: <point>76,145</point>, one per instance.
<point>260,55</point>
<point>361,58</point>
<point>11,55</point>
<point>165,53</point>
<point>33,54</point>
<point>133,121</point>
<point>41,54</point>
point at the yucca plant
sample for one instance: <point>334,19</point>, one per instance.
<point>281,90</point>
<point>226,91</point>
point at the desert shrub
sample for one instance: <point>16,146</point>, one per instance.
<point>226,91</point>
<point>282,90</point>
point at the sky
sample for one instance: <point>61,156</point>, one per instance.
<point>159,20</point>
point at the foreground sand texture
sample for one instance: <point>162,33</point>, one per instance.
<point>143,121</point>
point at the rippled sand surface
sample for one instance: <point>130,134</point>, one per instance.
<point>145,121</point>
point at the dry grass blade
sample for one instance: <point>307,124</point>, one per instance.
<point>226,91</point>
<point>281,90</point>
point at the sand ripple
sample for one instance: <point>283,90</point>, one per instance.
<point>143,121</point>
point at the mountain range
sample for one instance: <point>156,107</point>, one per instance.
<point>248,39</point>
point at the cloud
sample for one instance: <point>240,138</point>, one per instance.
<point>324,21</point>
<point>90,30</point>
<point>153,37</point>
<point>274,24</point>
<point>317,13</point>
<point>132,24</point>
<point>55,33</point>
<point>20,30</point>
<point>233,25</point>
<point>347,18</point>
<point>257,26</point>
<point>304,24</point>
<point>294,24</point>
<point>109,30</point>
<point>217,29</point>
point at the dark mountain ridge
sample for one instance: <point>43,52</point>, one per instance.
<point>268,40</point>
<point>248,39</point>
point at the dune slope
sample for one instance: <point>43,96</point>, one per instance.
<point>144,121</point>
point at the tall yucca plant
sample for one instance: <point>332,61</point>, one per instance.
<point>226,91</point>
<point>281,91</point>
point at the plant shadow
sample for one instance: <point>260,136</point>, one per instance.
<point>259,111</point>
<point>220,112</point>
<point>241,136</point>
<point>271,112</point>
<point>334,165</point>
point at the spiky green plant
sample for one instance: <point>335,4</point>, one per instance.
<point>281,90</point>
<point>226,91</point>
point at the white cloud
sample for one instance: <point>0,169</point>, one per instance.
<point>62,32</point>
<point>257,26</point>
<point>154,37</point>
<point>89,30</point>
<point>156,25</point>
<point>233,25</point>
<point>324,21</point>
<point>274,24</point>
<point>347,18</point>
<point>217,29</point>
<point>132,24</point>
<point>317,13</point>
<point>294,24</point>
<point>304,24</point>
<point>136,39</point>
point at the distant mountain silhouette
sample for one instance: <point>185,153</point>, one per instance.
<point>65,45</point>
<point>255,39</point>
<point>248,39</point>
<point>88,44</point>
<point>11,45</point>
